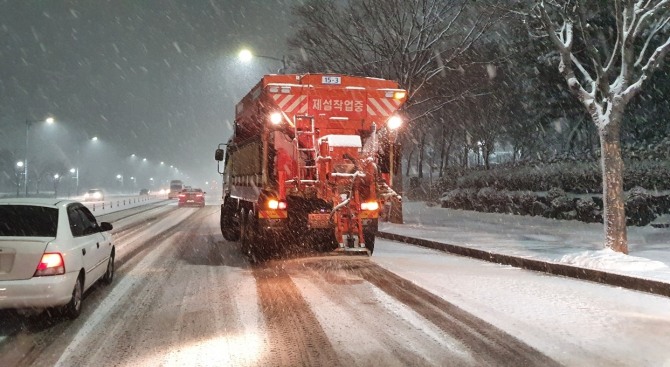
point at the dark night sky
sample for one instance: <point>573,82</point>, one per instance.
<point>155,78</point>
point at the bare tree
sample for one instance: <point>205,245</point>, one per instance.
<point>413,42</point>
<point>605,67</point>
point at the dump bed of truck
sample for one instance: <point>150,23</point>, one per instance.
<point>339,104</point>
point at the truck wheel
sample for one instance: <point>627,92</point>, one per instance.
<point>243,232</point>
<point>229,230</point>
<point>369,240</point>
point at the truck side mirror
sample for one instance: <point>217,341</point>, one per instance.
<point>218,155</point>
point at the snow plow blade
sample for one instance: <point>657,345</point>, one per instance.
<point>351,251</point>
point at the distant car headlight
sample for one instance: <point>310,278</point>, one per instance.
<point>86,196</point>
<point>162,192</point>
<point>97,195</point>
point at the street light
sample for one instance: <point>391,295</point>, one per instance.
<point>246,56</point>
<point>119,177</point>
<point>29,123</point>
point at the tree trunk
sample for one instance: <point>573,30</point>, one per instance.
<point>443,143</point>
<point>422,146</point>
<point>409,161</point>
<point>614,216</point>
<point>447,154</point>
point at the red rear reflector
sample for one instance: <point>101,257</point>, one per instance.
<point>50,264</point>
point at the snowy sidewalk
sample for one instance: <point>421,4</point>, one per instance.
<point>548,240</point>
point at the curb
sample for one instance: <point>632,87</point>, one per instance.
<point>598,276</point>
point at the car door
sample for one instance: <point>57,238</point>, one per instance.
<point>84,244</point>
<point>103,242</point>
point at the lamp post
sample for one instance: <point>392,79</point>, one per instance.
<point>246,55</point>
<point>29,123</point>
<point>393,124</point>
<point>19,169</point>
<point>56,180</point>
<point>75,175</point>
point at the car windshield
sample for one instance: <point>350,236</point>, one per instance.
<point>28,221</point>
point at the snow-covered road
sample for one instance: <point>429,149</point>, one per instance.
<point>184,296</point>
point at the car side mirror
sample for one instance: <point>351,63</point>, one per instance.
<point>106,226</point>
<point>218,155</point>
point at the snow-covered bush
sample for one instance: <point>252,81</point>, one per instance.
<point>571,176</point>
<point>588,211</point>
<point>458,199</point>
<point>555,192</point>
<point>492,200</point>
<point>523,203</point>
<point>640,209</point>
<point>562,207</point>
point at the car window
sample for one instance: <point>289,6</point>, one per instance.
<point>28,221</point>
<point>76,224</point>
<point>88,220</point>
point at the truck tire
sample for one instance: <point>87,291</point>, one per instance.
<point>229,227</point>
<point>369,237</point>
<point>243,233</point>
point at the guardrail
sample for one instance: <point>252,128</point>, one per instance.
<point>117,203</point>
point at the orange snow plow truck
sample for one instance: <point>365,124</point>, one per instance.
<point>310,162</point>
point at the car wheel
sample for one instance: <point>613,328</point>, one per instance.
<point>109,274</point>
<point>73,308</point>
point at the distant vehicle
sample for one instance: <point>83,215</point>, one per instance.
<point>144,192</point>
<point>191,197</point>
<point>176,186</point>
<point>51,252</point>
<point>94,195</point>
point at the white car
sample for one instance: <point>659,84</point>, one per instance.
<point>94,195</point>
<point>51,252</point>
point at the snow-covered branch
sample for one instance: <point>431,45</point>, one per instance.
<point>652,64</point>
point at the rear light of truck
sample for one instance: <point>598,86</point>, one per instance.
<point>394,122</point>
<point>399,95</point>
<point>370,205</point>
<point>50,264</point>
<point>277,204</point>
<point>275,118</point>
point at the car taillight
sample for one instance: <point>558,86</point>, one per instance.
<point>198,195</point>
<point>276,204</point>
<point>370,205</point>
<point>51,264</point>
<point>182,195</point>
